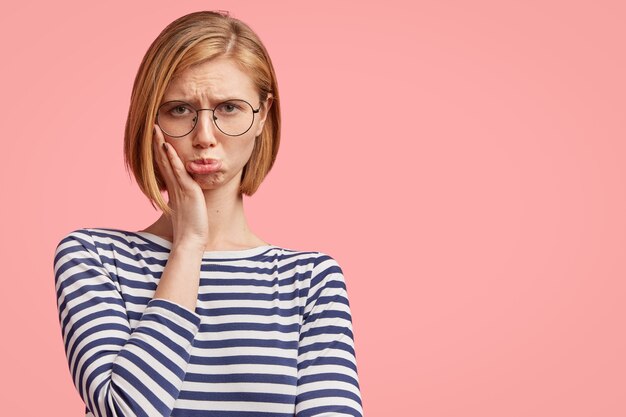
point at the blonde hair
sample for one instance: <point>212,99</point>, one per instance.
<point>187,41</point>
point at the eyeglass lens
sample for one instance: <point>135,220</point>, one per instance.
<point>178,118</point>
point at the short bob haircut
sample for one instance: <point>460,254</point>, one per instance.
<point>187,41</point>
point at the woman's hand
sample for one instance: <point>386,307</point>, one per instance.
<point>190,223</point>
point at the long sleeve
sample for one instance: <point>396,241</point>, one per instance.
<point>117,370</point>
<point>327,375</point>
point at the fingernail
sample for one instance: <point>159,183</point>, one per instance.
<point>165,146</point>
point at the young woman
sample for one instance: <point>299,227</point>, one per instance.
<point>196,315</point>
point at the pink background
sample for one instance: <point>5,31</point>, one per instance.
<point>463,161</point>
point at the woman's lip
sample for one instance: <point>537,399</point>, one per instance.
<point>203,166</point>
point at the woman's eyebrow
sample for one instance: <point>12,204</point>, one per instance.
<point>193,99</point>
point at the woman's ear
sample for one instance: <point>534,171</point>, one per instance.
<point>268,102</point>
<point>266,105</point>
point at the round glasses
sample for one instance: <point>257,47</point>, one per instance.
<point>233,117</point>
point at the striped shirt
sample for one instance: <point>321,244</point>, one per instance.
<point>271,334</point>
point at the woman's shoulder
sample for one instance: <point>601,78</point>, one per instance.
<point>97,239</point>
<point>312,263</point>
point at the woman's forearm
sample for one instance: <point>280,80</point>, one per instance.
<point>181,276</point>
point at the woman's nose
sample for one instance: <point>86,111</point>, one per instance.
<point>204,132</point>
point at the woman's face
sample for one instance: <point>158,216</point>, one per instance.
<point>211,157</point>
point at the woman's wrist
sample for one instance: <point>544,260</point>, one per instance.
<point>188,246</point>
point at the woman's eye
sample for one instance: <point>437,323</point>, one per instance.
<point>228,108</point>
<point>180,110</point>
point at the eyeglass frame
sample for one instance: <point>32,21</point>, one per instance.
<point>213,119</point>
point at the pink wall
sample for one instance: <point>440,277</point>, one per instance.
<point>464,162</point>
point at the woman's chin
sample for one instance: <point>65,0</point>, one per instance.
<point>209,181</point>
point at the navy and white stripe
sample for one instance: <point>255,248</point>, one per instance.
<point>271,334</point>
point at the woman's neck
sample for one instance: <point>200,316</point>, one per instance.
<point>228,227</point>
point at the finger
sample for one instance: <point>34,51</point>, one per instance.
<point>163,160</point>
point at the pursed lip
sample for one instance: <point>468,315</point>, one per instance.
<point>203,165</point>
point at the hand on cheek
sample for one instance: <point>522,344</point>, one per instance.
<point>189,215</point>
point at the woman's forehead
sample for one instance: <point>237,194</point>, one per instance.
<point>214,80</point>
